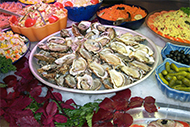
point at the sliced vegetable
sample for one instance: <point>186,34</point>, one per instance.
<point>68,4</point>
<point>58,4</point>
<point>94,1</point>
<point>30,22</point>
<point>53,19</point>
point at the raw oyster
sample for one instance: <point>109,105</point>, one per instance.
<point>79,65</point>
<point>121,48</point>
<point>144,48</point>
<point>103,40</point>
<point>98,69</point>
<point>83,26</point>
<point>131,71</point>
<point>67,59</point>
<point>118,79</point>
<point>141,65</point>
<point>65,33</point>
<point>59,79</point>
<point>92,46</point>
<point>71,81</point>
<point>57,40</point>
<point>85,54</point>
<point>85,82</point>
<point>75,31</point>
<point>142,56</point>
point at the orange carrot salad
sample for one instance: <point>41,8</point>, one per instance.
<point>120,11</point>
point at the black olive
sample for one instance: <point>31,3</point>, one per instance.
<point>183,56</point>
<point>171,52</point>
<point>188,56</point>
<point>178,58</point>
<point>182,51</point>
<point>186,61</point>
<point>120,8</point>
<point>164,122</point>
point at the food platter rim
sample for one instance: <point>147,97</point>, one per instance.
<point>163,38</point>
<point>106,91</point>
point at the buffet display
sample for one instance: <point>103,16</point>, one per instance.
<point>99,56</point>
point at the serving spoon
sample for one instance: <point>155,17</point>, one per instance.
<point>9,12</point>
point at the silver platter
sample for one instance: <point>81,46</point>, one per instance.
<point>34,66</point>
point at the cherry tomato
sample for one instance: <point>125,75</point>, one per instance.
<point>53,19</point>
<point>68,3</point>
<point>58,4</point>
<point>30,22</point>
<point>14,20</point>
<point>94,1</point>
<point>184,123</point>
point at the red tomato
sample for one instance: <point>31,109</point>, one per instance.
<point>30,22</point>
<point>14,20</point>
<point>53,19</point>
<point>94,1</point>
<point>184,123</point>
<point>68,3</point>
<point>58,4</point>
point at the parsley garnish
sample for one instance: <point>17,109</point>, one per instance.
<point>186,10</point>
<point>6,65</point>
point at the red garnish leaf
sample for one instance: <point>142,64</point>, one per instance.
<point>149,99</point>
<point>60,118</point>
<point>48,120</point>
<point>51,109</point>
<point>103,124</point>
<point>10,80</point>
<point>36,91</point>
<point>21,103</point>
<point>150,107</point>
<point>19,113</point>
<point>124,94</point>
<point>102,115</point>
<point>3,103</point>
<point>135,102</point>
<point>122,119</point>
<point>106,104</point>
<point>3,93</point>
<point>57,96</point>
<point>27,121</point>
<point>21,63</point>
<point>12,95</point>
<point>68,105</point>
<point>120,104</point>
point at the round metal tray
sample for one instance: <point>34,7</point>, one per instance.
<point>34,66</point>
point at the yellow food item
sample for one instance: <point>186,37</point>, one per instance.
<point>35,1</point>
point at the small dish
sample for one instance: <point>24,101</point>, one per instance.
<point>130,24</point>
<point>166,90</point>
<point>82,13</point>
<point>172,47</point>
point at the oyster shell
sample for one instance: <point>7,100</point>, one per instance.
<point>121,48</point>
<point>57,40</point>
<point>142,56</point>
<point>131,71</point>
<point>79,65</point>
<point>98,69</point>
<point>60,80</point>
<point>92,46</point>
<point>85,54</point>
<point>70,81</point>
<point>117,78</point>
<point>67,59</point>
<point>141,65</point>
<point>83,26</point>
<point>85,82</point>
<point>144,48</point>
<point>65,33</point>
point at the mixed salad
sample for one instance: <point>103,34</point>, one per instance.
<point>78,3</point>
<point>40,14</point>
<point>12,46</point>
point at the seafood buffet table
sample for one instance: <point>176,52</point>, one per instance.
<point>148,87</point>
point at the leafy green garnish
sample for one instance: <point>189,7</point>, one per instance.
<point>6,65</point>
<point>186,10</point>
<point>80,115</point>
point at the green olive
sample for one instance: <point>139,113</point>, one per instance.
<point>168,77</point>
<point>188,75</point>
<point>180,77</point>
<point>182,88</point>
<point>182,73</point>
<point>172,81</point>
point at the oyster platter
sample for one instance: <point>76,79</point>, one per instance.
<point>92,58</point>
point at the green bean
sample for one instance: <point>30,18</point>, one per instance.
<point>174,67</point>
<point>163,79</point>
<point>180,77</point>
<point>188,75</point>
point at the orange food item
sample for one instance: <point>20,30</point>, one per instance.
<point>120,11</point>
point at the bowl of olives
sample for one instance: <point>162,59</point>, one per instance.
<point>178,53</point>
<point>173,79</point>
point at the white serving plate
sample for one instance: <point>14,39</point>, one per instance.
<point>34,66</point>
